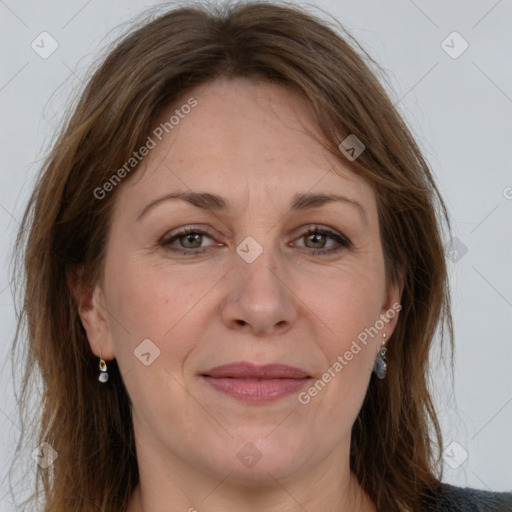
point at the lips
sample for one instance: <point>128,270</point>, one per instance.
<point>256,383</point>
<point>251,371</point>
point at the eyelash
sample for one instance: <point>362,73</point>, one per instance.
<point>342,241</point>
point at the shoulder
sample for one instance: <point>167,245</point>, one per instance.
<point>449,498</point>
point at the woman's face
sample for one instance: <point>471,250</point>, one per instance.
<point>258,289</point>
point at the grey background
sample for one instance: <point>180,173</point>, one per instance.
<point>460,110</point>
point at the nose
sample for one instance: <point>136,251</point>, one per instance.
<point>260,299</point>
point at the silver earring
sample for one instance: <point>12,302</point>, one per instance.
<point>103,376</point>
<point>379,365</point>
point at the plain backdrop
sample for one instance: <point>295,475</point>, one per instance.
<point>455,91</point>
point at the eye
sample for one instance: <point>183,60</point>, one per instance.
<point>189,241</point>
<point>316,239</point>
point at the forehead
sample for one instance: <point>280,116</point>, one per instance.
<point>241,136</point>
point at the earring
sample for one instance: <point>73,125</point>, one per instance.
<point>380,367</point>
<point>103,376</point>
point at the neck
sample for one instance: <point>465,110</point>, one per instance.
<point>170,483</point>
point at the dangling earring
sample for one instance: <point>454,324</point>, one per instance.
<point>379,365</point>
<point>103,376</point>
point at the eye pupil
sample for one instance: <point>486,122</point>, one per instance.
<point>317,238</point>
<point>193,237</point>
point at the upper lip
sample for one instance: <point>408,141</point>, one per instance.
<point>245,370</point>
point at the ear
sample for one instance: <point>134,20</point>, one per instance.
<point>391,305</point>
<point>90,304</point>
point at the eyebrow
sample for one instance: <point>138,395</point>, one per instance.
<point>213,202</point>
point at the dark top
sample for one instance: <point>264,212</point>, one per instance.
<point>458,499</point>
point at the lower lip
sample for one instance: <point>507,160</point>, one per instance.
<point>254,390</point>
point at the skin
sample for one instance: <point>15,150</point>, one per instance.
<point>248,142</point>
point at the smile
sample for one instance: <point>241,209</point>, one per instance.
<point>256,383</point>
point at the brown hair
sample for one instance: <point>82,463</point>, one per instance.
<point>65,226</point>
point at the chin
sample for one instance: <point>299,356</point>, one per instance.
<point>263,473</point>
<point>260,462</point>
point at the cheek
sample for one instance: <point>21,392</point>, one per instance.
<point>158,302</point>
<point>346,310</point>
<point>146,298</point>
<point>346,301</point>
<point>156,312</point>
<point>346,304</point>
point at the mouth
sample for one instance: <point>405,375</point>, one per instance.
<point>256,383</point>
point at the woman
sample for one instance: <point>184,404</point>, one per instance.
<point>234,272</point>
